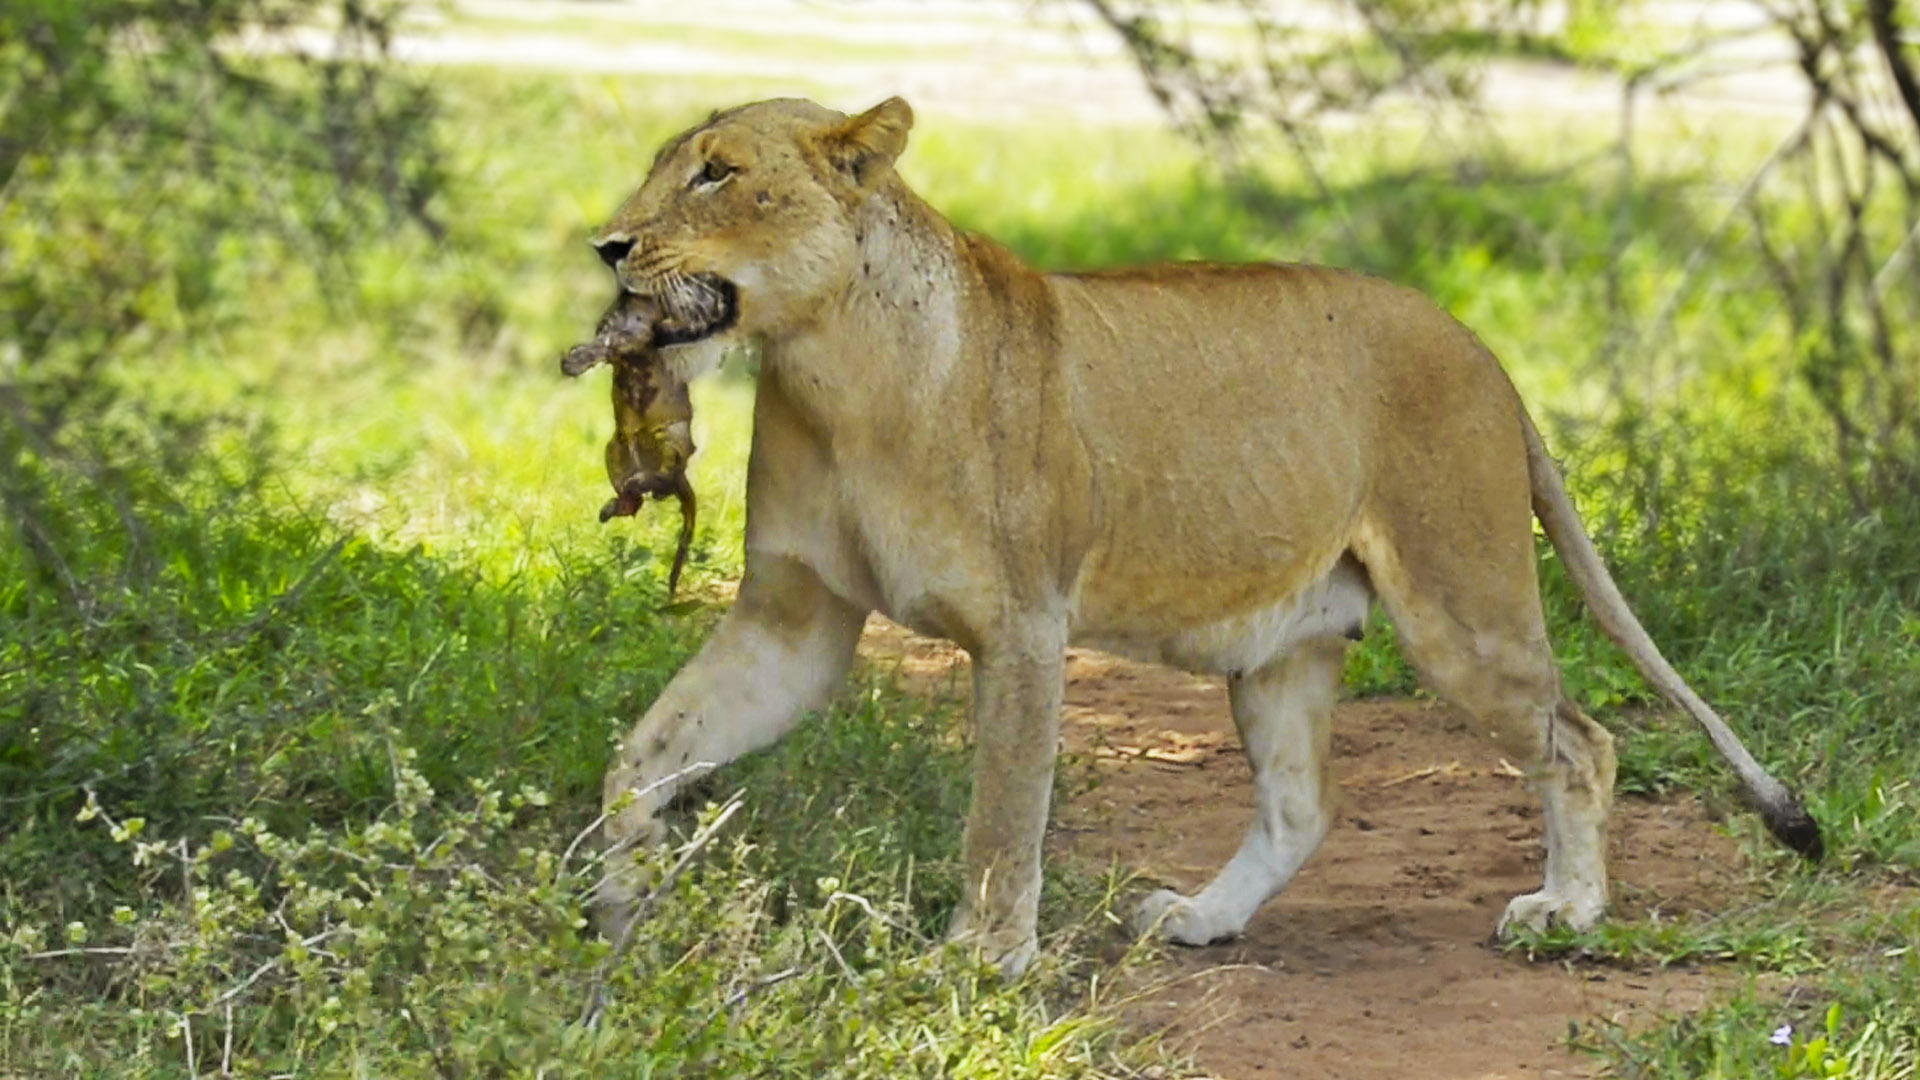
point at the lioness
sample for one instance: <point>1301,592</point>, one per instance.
<point>1216,467</point>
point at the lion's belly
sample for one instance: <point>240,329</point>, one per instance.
<point>1334,604</point>
<point>1214,533</point>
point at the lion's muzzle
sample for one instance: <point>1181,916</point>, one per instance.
<point>613,249</point>
<point>696,306</point>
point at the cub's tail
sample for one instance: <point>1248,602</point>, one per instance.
<point>1783,813</point>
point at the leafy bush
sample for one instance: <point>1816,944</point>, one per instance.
<point>444,936</point>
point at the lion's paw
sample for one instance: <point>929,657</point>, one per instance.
<point>625,879</point>
<point>1179,920</point>
<point>1539,910</point>
<point>1008,951</point>
<point>616,900</point>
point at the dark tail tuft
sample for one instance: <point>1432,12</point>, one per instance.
<point>1790,823</point>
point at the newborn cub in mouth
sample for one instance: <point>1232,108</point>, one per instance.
<point>652,416</point>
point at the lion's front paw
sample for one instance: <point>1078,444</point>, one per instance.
<point>616,899</point>
<point>1179,920</point>
<point>1010,951</point>
<point>1539,910</point>
<point>626,878</point>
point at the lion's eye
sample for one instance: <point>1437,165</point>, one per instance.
<point>713,173</point>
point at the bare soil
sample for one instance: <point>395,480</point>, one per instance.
<point>1375,962</point>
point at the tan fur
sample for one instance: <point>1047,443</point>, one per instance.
<point>1216,466</point>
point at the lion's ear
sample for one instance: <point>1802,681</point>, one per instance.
<point>865,147</point>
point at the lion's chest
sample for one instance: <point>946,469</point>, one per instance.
<point>923,549</point>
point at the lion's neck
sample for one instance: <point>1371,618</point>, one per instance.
<point>893,338</point>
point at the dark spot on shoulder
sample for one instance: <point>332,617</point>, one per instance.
<point>1329,316</point>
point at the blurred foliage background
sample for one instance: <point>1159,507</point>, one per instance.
<point>311,652</point>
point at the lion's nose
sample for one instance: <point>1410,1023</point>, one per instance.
<point>613,248</point>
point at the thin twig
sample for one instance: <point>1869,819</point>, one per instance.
<point>62,789</point>
<point>1886,34</point>
<point>763,983</point>
<point>1161,986</point>
<point>1696,259</point>
<point>186,878</point>
<point>261,971</point>
<point>827,940</point>
<point>1901,254</point>
<point>596,995</point>
<point>873,913</point>
<point>186,1034</point>
<point>103,950</point>
<point>580,838</point>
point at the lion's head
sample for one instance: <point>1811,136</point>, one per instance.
<point>746,223</point>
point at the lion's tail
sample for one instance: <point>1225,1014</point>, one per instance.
<point>1783,813</point>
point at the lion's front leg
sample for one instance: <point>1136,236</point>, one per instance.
<point>1017,682</point>
<point>780,652</point>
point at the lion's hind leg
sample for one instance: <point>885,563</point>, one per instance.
<point>1471,624</point>
<point>1282,712</point>
<point>1573,773</point>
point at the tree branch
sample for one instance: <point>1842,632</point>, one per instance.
<point>1886,35</point>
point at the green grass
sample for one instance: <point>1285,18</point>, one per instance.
<point>346,689</point>
<point>384,577</point>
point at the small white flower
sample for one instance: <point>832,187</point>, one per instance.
<point>1782,1035</point>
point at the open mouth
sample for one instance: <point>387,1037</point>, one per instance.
<point>688,308</point>
<point>696,306</point>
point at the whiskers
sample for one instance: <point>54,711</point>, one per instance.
<point>686,305</point>
<point>692,301</point>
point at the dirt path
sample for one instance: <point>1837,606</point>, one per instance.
<point>1374,962</point>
